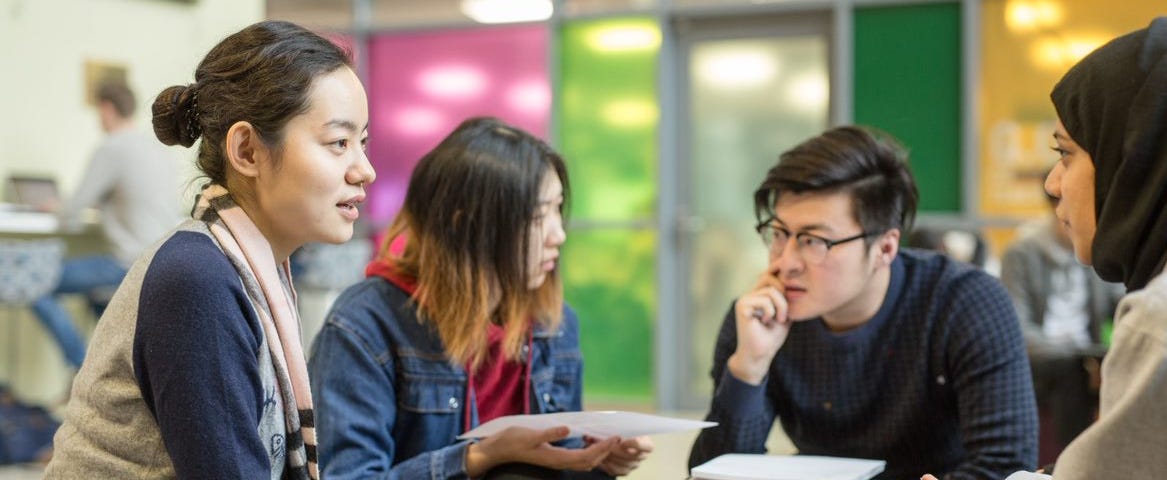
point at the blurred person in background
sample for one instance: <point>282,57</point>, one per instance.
<point>1062,306</point>
<point>133,180</point>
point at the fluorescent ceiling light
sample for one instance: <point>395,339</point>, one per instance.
<point>507,11</point>
<point>453,81</point>
<point>809,91</point>
<point>625,38</point>
<point>736,67</point>
<point>629,113</point>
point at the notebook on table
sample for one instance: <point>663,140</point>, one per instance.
<point>739,466</point>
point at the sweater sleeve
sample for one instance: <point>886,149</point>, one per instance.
<point>100,175</point>
<point>1017,275</point>
<point>986,357</point>
<point>196,351</point>
<point>743,415</point>
<point>1127,439</point>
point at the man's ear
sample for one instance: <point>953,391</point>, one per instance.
<point>244,149</point>
<point>888,246</point>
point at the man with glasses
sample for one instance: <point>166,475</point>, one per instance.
<point>860,348</point>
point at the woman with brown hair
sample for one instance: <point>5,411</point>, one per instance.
<point>196,370</point>
<point>461,321</point>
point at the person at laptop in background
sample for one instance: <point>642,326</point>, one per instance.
<point>133,180</point>
<point>861,348</point>
<point>1062,306</point>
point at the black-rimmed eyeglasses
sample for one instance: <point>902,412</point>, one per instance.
<point>811,247</point>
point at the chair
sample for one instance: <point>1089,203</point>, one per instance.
<point>29,269</point>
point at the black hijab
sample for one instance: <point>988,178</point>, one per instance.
<point>1113,103</point>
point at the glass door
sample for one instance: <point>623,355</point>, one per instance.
<point>749,89</point>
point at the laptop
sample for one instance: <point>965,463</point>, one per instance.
<point>31,191</point>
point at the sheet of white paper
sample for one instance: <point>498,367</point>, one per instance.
<point>600,424</point>
<point>736,466</point>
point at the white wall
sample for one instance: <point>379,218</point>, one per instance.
<point>45,124</point>
<point>46,127</point>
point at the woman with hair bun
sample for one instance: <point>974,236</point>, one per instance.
<point>196,370</point>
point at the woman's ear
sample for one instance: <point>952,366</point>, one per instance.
<point>244,149</point>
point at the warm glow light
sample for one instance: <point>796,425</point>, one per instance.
<point>629,113</point>
<point>737,68</point>
<point>531,96</point>
<point>507,11</point>
<point>624,38</point>
<point>418,121</point>
<point>809,91</point>
<point>1023,16</point>
<point>452,82</point>
<point>1078,47</point>
<point>1060,53</point>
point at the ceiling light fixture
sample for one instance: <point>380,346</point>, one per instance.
<point>507,11</point>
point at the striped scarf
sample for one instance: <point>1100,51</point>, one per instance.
<point>250,253</point>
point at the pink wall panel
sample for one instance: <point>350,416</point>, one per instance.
<point>421,85</point>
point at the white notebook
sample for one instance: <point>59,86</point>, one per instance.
<point>740,466</point>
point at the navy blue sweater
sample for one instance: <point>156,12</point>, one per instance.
<point>196,350</point>
<point>178,381</point>
<point>936,382</point>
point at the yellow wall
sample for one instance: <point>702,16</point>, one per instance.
<point>1027,46</point>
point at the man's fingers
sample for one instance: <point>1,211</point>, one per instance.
<point>778,303</point>
<point>767,279</point>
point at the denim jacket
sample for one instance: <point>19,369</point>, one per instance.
<point>389,403</point>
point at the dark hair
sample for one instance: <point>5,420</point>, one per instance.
<point>866,162</point>
<point>470,204</point>
<point>261,75</point>
<point>118,94</point>
<point>1111,103</point>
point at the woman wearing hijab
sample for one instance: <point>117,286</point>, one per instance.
<point>1110,182</point>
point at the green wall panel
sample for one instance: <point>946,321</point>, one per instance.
<point>609,279</point>
<point>607,116</point>
<point>908,82</point>
<point>606,127</point>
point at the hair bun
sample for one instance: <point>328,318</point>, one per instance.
<point>176,116</point>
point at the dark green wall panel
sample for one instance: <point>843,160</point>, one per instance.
<point>907,82</point>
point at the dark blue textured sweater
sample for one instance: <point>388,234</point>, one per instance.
<point>936,382</point>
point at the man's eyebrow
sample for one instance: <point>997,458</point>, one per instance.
<point>812,227</point>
